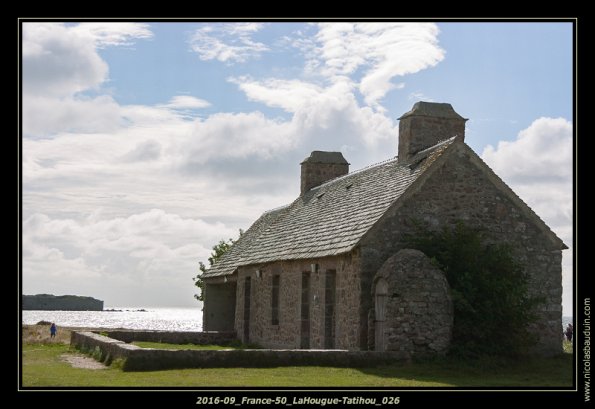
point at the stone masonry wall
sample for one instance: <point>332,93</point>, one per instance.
<point>134,358</point>
<point>287,334</point>
<point>314,174</point>
<point>418,133</point>
<point>460,191</point>
<point>419,311</point>
<point>105,349</point>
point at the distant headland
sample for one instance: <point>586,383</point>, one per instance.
<point>51,302</point>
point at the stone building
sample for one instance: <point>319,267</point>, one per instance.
<point>330,270</point>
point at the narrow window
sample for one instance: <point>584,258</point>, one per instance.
<point>305,313</point>
<point>275,301</point>
<point>329,309</point>
<point>247,293</point>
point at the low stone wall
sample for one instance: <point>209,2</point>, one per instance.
<point>170,337</point>
<point>102,348</point>
<point>153,359</point>
<point>142,359</point>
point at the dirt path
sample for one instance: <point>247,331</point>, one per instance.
<point>82,361</point>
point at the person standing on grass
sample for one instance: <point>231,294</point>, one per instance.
<point>53,330</point>
<point>568,332</point>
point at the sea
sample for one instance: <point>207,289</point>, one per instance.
<point>149,318</point>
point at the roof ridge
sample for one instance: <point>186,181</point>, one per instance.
<point>511,192</point>
<point>274,209</point>
<point>355,172</point>
<point>439,143</point>
<point>385,161</point>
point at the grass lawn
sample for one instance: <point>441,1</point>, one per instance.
<point>163,345</point>
<point>43,365</point>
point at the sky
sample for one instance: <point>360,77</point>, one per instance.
<point>144,144</point>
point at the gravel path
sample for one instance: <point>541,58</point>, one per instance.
<point>82,361</point>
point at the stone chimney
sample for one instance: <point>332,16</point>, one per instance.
<point>427,124</point>
<point>322,166</point>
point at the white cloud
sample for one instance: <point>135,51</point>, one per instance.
<point>538,167</point>
<point>60,61</point>
<point>48,115</point>
<point>383,50</point>
<point>289,95</point>
<point>543,150</point>
<point>113,34</point>
<point>419,96</point>
<point>238,135</point>
<point>227,42</point>
<point>149,116</point>
<point>337,51</point>
<point>186,102</point>
<point>330,113</point>
<point>326,107</point>
<point>144,151</point>
<point>143,247</point>
<point>134,166</point>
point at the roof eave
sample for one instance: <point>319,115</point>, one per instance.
<point>222,278</point>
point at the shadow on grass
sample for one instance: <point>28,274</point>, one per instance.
<point>484,372</point>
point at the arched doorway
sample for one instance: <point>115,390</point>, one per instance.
<point>380,298</point>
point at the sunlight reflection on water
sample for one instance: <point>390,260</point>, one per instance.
<point>167,319</point>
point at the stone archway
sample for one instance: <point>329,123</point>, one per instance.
<point>380,300</point>
<point>413,305</point>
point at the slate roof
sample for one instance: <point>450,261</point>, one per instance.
<point>329,219</point>
<point>231,259</point>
